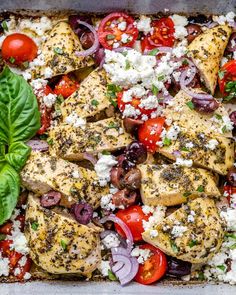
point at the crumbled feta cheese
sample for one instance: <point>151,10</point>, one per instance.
<point>223,61</point>
<point>153,233</point>
<point>74,120</point>
<point>172,132</point>
<point>125,38</point>
<point>183,162</point>
<point>178,231</point>
<point>227,124</point>
<point>39,27</point>
<point>212,144</point>
<point>144,25</point>
<point>230,217</point>
<point>221,19</point>
<point>49,100</point>
<point>4,266</point>
<point>148,103</point>
<point>141,254</point>
<point>76,174</point>
<point>103,168</point>
<point>147,209</point>
<point>131,111</point>
<point>180,22</point>
<point>158,216</point>
<point>122,25</point>
<point>48,72</point>
<point>19,242</point>
<point>111,241</point>
<point>189,145</point>
<point>106,202</point>
<point>104,267</point>
<point>27,276</point>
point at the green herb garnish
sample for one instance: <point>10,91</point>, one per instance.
<point>224,129</point>
<point>161,78</point>
<point>153,52</point>
<point>230,88</point>
<point>200,189</point>
<point>113,125</point>
<point>110,37</point>
<point>201,276</point>
<point>192,243</point>
<point>185,62</point>
<point>232,236</point>
<point>186,194</point>
<point>19,121</point>
<point>94,102</point>
<point>4,26</point>
<point>221,267</point>
<point>2,237</point>
<point>190,105</point>
<point>12,60</point>
<point>233,247</point>
<point>155,90</point>
<point>221,74</point>
<point>34,226</point>
<point>63,245</point>
<point>50,141</point>
<point>112,90</point>
<point>166,141</point>
<point>218,116</point>
<point>58,50</point>
<point>127,65</point>
<point>185,149</point>
<point>106,153</point>
<point>174,247</point>
<point>111,276</point>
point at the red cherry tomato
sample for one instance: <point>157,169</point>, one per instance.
<point>18,48</point>
<point>5,247</point>
<point>23,269</point>
<point>6,228</point>
<point>118,28</point>
<point>133,217</point>
<point>135,103</point>
<point>149,133</point>
<point>66,87</point>
<point>46,113</point>
<point>163,34</point>
<point>227,79</point>
<point>229,191</point>
<point>153,268</point>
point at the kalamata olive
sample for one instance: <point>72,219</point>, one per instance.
<point>83,212</point>
<point>124,198</point>
<point>99,56</point>
<point>79,29</point>
<point>22,199</point>
<point>132,179</point>
<point>231,176</point>
<point>117,174</point>
<point>199,19</point>
<point>136,152</point>
<point>50,199</point>
<point>205,105</point>
<point>131,125</point>
<point>87,39</point>
<point>124,163</point>
<point>178,268</point>
<point>232,117</point>
<point>193,31</point>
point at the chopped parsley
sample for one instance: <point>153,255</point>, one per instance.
<point>110,37</point>
<point>106,153</point>
<point>230,88</point>
<point>222,267</point>
<point>221,74</point>
<point>153,52</point>
<point>233,247</point>
<point>174,247</point>
<point>186,194</point>
<point>50,141</point>
<point>161,78</point>
<point>224,129</point>
<point>4,26</point>
<point>200,189</point>
<point>60,99</point>
<point>58,50</point>
<point>12,60</point>
<point>112,90</point>
<point>185,62</point>
<point>232,236</point>
<point>166,141</point>
<point>127,65</point>
<point>94,102</point>
<point>2,237</point>
<point>155,90</point>
<point>34,225</point>
<point>192,243</point>
<point>218,116</point>
<point>190,105</point>
<point>201,276</point>
<point>63,245</point>
<point>111,276</point>
<point>185,149</point>
<point>113,125</point>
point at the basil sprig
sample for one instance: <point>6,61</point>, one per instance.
<point>19,121</point>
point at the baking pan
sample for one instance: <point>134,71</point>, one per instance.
<point>103,6</point>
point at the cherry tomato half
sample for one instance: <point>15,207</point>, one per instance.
<point>116,30</point>
<point>24,268</point>
<point>133,217</point>
<point>46,113</point>
<point>162,35</point>
<point>227,79</point>
<point>18,48</point>
<point>134,103</point>
<point>153,268</point>
<point>229,191</point>
<point>66,87</point>
<point>6,228</point>
<point>149,133</point>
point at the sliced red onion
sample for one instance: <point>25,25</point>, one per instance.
<point>95,46</point>
<point>124,227</point>
<point>90,158</point>
<point>185,80</point>
<point>38,145</point>
<point>229,47</point>
<point>210,25</point>
<point>124,266</point>
<point>99,57</point>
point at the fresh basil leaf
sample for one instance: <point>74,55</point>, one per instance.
<point>9,191</point>
<point>19,115</point>
<point>17,155</point>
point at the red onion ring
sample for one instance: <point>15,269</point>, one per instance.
<point>95,46</point>
<point>184,82</point>
<point>90,158</point>
<point>124,227</point>
<point>229,47</point>
<point>38,145</point>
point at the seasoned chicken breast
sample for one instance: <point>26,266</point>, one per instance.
<point>70,142</point>
<point>218,159</point>
<point>90,99</point>
<point>59,51</point>
<point>179,112</point>
<point>207,50</point>
<point>169,185</point>
<point>192,233</point>
<point>43,173</point>
<point>58,243</point>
